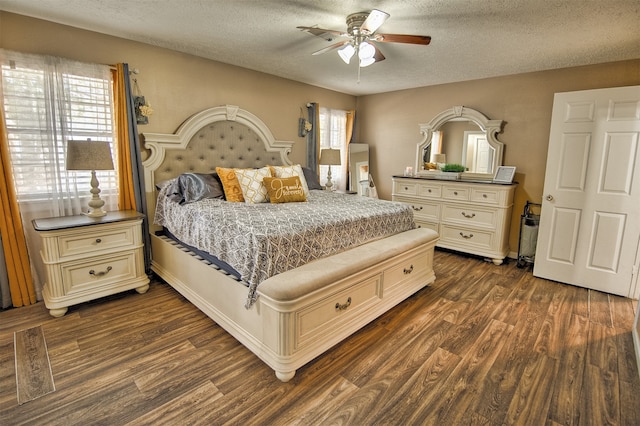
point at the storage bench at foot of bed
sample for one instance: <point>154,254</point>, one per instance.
<point>302,313</point>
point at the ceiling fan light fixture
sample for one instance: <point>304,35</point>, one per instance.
<point>347,52</point>
<point>366,51</point>
<point>366,62</point>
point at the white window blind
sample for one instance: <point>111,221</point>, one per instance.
<point>46,103</point>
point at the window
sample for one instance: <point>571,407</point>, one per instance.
<point>48,101</point>
<point>333,134</point>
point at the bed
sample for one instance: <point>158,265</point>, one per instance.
<point>288,315</point>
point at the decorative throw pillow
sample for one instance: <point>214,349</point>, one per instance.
<point>190,187</point>
<point>289,171</point>
<point>312,178</point>
<point>230,184</point>
<point>284,190</point>
<point>250,180</point>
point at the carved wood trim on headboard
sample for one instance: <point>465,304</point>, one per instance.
<point>159,143</point>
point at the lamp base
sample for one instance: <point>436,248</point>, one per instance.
<point>329,184</point>
<point>95,213</point>
<point>95,203</point>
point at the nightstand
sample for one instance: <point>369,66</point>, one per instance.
<point>88,258</point>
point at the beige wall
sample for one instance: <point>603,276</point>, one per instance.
<point>178,85</point>
<point>389,121</point>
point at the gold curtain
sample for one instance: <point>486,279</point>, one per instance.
<point>126,198</point>
<point>13,240</point>
<point>351,116</point>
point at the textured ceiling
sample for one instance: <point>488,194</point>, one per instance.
<point>471,39</point>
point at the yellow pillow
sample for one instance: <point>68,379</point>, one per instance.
<point>284,190</point>
<point>250,180</point>
<point>230,184</point>
<point>288,171</point>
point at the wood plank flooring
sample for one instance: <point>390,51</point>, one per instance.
<point>483,345</point>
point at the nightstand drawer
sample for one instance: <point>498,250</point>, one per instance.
<point>99,270</point>
<point>87,243</point>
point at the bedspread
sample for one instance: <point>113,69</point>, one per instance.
<point>262,240</point>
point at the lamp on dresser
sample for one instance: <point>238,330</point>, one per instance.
<point>329,157</point>
<point>90,155</point>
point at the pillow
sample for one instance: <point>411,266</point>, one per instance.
<point>253,190</point>
<point>284,190</point>
<point>190,187</point>
<point>312,178</point>
<point>230,185</point>
<point>289,171</point>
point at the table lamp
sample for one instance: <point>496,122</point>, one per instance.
<point>329,157</point>
<point>90,155</point>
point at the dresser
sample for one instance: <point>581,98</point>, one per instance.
<point>86,258</point>
<point>471,217</point>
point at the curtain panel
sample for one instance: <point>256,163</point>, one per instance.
<point>132,192</point>
<point>13,241</point>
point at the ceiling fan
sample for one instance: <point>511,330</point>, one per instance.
<point>361,37</point>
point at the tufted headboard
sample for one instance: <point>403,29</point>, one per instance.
<point>224,136</point>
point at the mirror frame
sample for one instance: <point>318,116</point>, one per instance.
<point>461,113</point>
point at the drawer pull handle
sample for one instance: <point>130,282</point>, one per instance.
<point>466,236</point>
<point>468,216</point>
<point>484,195</point>
<point>406,188</point>
<point>100,274</point>
<point>416,208</point>
<point>409,270</point>
<point>455,192</point>
<point>98,240</point>
<point>429,190</point>
<point>340,307</point>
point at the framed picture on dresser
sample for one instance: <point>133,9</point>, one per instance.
<point>504,174</point>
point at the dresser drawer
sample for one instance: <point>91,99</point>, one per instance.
<point>100,270</point>
<point>405,187</point>
<point>460,236</point>
<point>469,216</point>
<point>424,210</point>
<point>456,193</point>
<point>485,196</point>
<point>79,243</point>
<point>337,310</point>
<point>429,190</point>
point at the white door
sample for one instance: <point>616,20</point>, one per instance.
<point>590,218</point>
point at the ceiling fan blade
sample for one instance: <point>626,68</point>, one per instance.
<point>402,38</point>
<point>374,20</point>
<point>328,35</point>
<point>332,47</point>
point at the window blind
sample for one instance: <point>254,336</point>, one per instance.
<point>39,125</point>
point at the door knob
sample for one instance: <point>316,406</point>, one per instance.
<point>549,197</point>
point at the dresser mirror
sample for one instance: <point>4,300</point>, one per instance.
<point>460,135</point>
<point>358,167</point>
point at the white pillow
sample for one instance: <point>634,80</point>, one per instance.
<point>289,171</point>
<point>253,189</point>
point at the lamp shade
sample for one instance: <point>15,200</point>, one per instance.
<point>440,158</point>
<point>89,155</point>
<point>330,157</point>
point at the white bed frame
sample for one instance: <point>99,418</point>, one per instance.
<point>301,313</point>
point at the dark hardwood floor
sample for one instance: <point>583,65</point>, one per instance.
<point>484,344</point>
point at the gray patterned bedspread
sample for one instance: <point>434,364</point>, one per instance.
<point>262,240</point>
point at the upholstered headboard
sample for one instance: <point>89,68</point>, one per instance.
<point>224,136</point>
